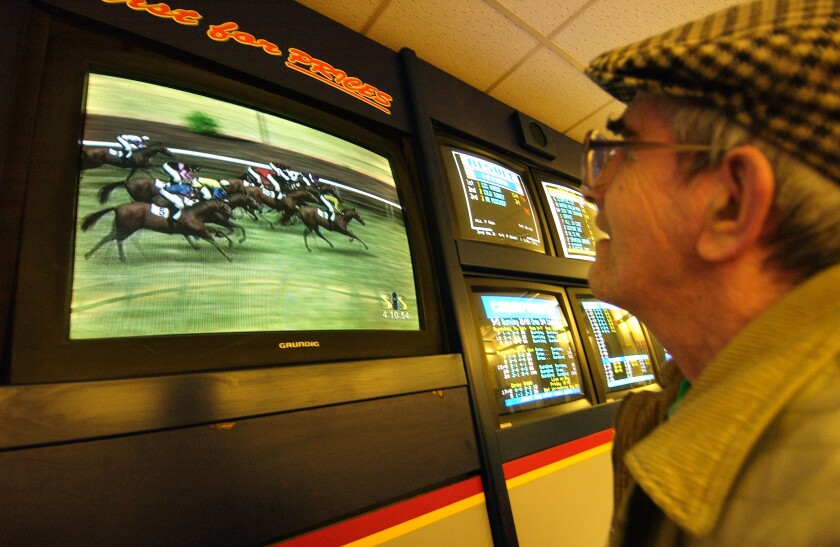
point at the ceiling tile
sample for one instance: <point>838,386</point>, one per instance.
<point>550,90</point>
<point>482,44</point>
<point>353,14</point>
<point>465,38</point>
<point>596,120</point>
<point>544,15</point>
<point>611,23</point>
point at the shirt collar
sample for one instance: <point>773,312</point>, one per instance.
<point>689,463</point>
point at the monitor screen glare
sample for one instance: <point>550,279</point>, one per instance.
<point>574,218</point>
<point>498,206</point>
<point>529,350</point>
<point>620,343</point>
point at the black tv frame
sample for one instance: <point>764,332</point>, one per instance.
<point>44,253</point>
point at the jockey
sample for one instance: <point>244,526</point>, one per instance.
<point>210,188</point>
<point>294,179</point>
<point>298,179</point>
<point>130,143</point>
<point>330,199</point>
<point>259,176</point>
<point>180,172</point>
<point>181,196</point>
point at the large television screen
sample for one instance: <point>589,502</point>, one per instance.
<point>491,199</point>
<point>615,342</point>
<point>194,223</point>
<point>573,220</point>
<point>270,276</point>
<point>531,355</point>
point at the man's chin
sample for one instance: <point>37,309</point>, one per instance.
<point>598,272</point>
<point>601,246</point>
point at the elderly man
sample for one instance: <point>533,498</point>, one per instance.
<point>721,200</point>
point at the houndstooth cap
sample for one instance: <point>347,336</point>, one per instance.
<point>773,65</point>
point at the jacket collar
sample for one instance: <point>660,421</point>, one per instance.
<point>689,464</point>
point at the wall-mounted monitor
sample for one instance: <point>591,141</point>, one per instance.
<point>532,355</point>
<point>116,280</point>
<point>615,343</point>
<point>572,218</point>
<point>492,199</point>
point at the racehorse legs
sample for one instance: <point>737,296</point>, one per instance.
<point>242,230</point>
<point>307,231</point>
<point>103,241</point>
<point>192,243</point>
<point>218,233</point>
<point>210,239</point>
<point>285,218</point>
<point>353,236</point>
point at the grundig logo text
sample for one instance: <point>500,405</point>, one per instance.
<point>301,344</point>
<point>297,60</point>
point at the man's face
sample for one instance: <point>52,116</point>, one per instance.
<point>645,208</point>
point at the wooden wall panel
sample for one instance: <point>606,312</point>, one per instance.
<point>242,483</point>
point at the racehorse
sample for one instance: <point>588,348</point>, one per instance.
<point>139,189</point>
<point>148,191</point>
<point>139,159</point>
<point>287,206</point>
<point>314,221</point>
<point>234,201</point>
<point>131,217</point>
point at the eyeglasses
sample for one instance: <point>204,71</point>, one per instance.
<point>597,151</point>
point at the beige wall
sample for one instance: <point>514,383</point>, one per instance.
<point>566,503</point>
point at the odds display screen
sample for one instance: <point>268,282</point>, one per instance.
<point>624,355</point>
<point>529,350</point>
<point>574,219</point>
<point>492,202</point>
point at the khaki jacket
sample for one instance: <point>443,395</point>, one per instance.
<point>752,455</point>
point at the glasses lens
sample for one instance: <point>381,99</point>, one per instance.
<point>597,152</point>
<point>593,157</point>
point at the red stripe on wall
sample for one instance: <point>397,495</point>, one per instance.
<point>547,457</point>
<point>381,519</point>
<point>387,517</point>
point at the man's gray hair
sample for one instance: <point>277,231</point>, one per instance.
<point>804,234</point>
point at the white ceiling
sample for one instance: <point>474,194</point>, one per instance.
<point>529,54</point>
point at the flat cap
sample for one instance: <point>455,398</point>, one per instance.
<point>773,66</point>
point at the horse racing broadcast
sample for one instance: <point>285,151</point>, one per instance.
<point>199,215</point>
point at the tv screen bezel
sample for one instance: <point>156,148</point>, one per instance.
<point>477,284</point>
<point>599,376</point>
<point>41,299</point>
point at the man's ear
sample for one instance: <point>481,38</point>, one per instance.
<point>738,203</point>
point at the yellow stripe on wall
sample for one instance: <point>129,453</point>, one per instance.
<point>420,522</point>
<point>525,478</point>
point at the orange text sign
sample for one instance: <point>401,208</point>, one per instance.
<point>297,60</point>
